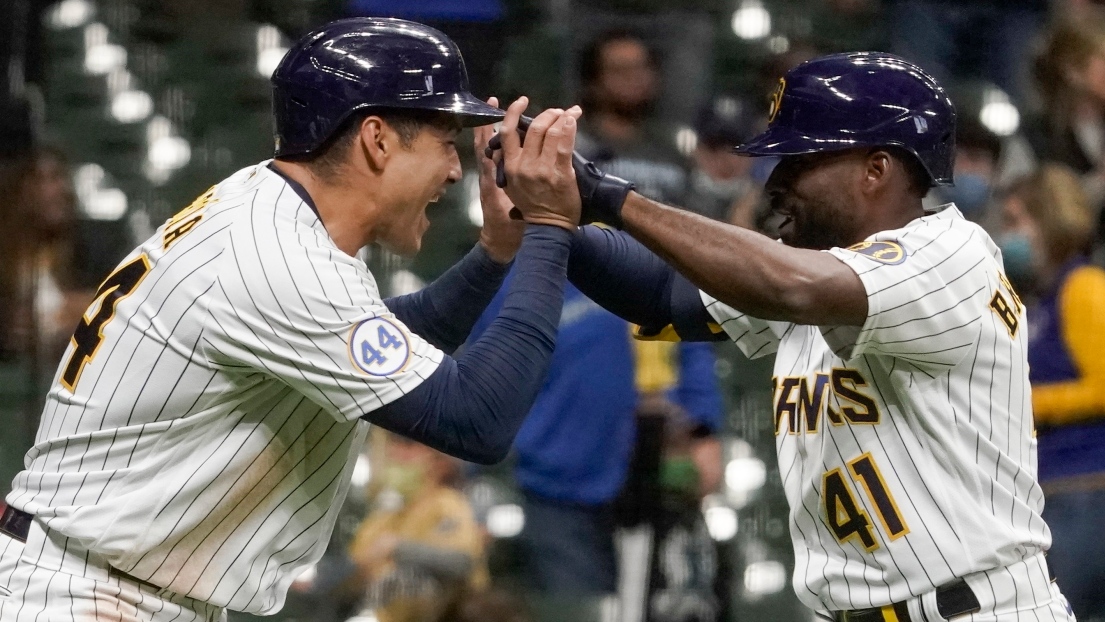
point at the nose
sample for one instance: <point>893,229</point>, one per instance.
<point>455,171</point>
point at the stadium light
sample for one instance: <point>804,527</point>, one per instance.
<point>751,20</point>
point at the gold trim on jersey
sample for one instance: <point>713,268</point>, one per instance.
<point>117,286</point>
<point>186,219</point>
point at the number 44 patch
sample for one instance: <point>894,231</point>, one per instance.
<point>378,347</point>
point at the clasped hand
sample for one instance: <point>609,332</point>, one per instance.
<point>542,181</point>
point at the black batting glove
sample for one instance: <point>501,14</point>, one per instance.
<point>601,195</point>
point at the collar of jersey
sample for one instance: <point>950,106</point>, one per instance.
<point>947,210</point>
<point>297,187</point>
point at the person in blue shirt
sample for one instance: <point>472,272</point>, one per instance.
<point>575,447</point>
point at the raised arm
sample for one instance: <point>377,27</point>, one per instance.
<point>749,271</point>
<point>632,282</point>
<point>445,311</point>
<point>743,269</point>
<point>472,407</point>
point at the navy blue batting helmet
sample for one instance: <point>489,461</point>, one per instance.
<point>861,99</point>
<point>363,62</point>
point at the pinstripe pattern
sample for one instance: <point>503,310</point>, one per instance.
<point>58,580</point>
<point>953,440</point>
<point>208,443</point>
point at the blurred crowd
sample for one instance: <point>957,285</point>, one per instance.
<point>625,455</point>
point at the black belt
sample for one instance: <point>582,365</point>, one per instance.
<point>15,523</point>
<point>953,599</point>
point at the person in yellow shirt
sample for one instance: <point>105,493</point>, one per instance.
<point>423,549</point>
<point>1048,226</point>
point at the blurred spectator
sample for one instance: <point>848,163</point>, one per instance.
<point>989,39</point>
<point>684,560</point>
<point>977,155</point>
<point>575,447</point>
<point>1048,225</point>
<point>722,186</point>
<point>1070,74</point>
<point>490,605</point>
<point>41,297</point>
<point>620,79</point>
<point>421,548</point>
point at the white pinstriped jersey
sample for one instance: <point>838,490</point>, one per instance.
<point>204,421</point>
<point>906,446</point>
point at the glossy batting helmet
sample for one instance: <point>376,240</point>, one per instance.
<point>358,63</point>
<point>861,99</point>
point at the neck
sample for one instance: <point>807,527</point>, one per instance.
<point>891,215</point>
<point>347,213</point>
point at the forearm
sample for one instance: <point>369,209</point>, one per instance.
<point>633,283</point>
<point>746,270</point>
<point>443,313</point>
<point>472,407</point>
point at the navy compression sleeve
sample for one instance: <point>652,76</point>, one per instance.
<point>443,313</point>
<point>632,282</point>
<point>473,406</point>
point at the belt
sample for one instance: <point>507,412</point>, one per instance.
<point>953,599</point>
<point>16,523</point>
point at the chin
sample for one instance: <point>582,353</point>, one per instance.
<point>408,249</point>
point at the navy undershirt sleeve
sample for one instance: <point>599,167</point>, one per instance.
<point>444,311</point>
<point>632,282</point>
<point>472,407</point>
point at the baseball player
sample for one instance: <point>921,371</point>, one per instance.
<point>203,424</point>
<point>901,397</point>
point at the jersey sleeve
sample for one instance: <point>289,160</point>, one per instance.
<point>754,337</point>
<point>312,317</point>
<point>927,289</point>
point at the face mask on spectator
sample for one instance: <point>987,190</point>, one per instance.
<point>970,194</point>
<point>1016,252</point>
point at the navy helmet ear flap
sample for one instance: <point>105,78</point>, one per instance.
<point>363,62</point>
<point>861,99</point>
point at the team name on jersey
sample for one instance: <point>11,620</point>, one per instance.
<point>801,402</point>
<point>186,219</point>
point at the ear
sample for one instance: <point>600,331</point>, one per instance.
<point>877,170</point>
<point>377,141</point>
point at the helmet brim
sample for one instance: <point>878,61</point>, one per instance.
<point>469,109</point>
<point>782,141</point>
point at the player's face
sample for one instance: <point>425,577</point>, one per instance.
<point>418,175</point>
<point>815,196</point>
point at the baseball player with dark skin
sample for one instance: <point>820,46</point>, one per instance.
<point>200,433</point>
<point>901,400</point>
